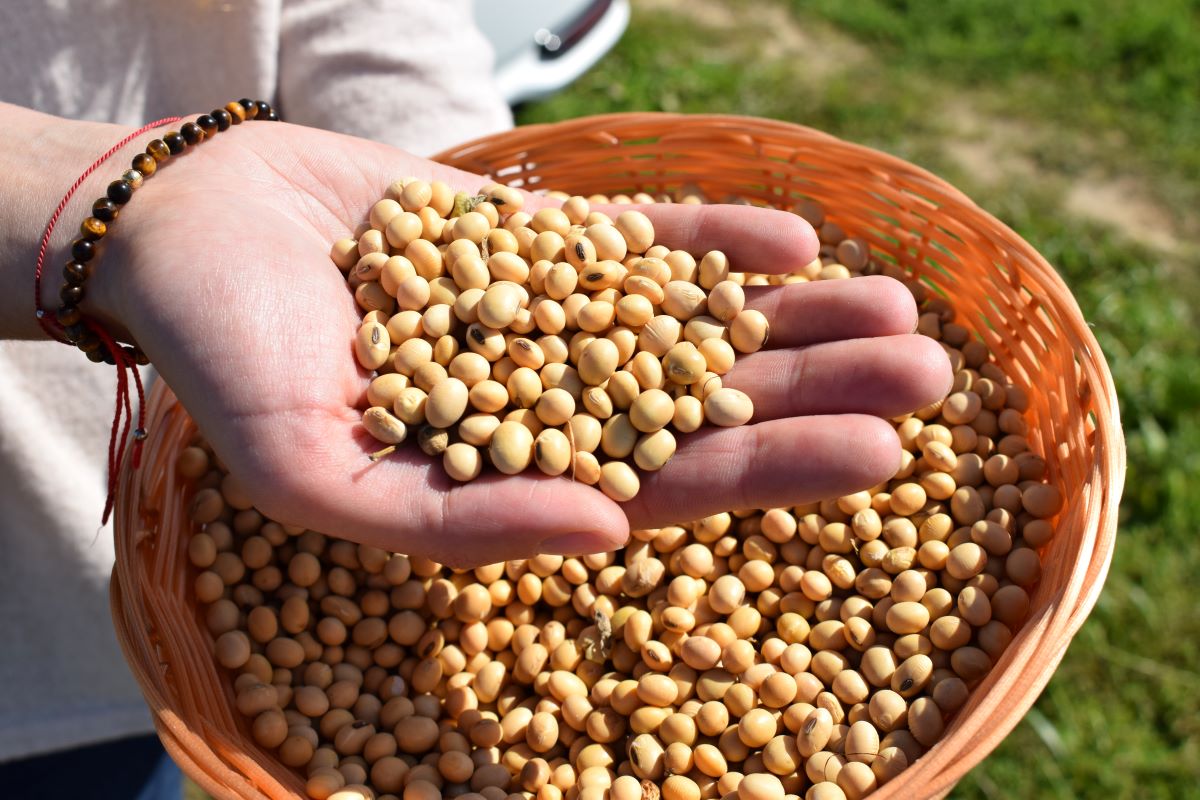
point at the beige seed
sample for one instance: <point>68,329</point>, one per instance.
<point>749,331</point>
<point>409,406</point>
<point>651,410</point>
<point>619,481</point>
<point>511,448</point>
<point>500,305</point>
<point>726,300</point>
<point>383,426</point>
<point>637,230</point>
<point>555,406</point>
<point>552,451</point>
<point>660,334</point>
<point>634,310</point>
<point>447,402</point>
<point>598,362</point>
<point>372,346</point>
<point>654,450</point>
<point>760,786</point>
<point>688,415</point>
<point>684,300</point>
<point>683,364</point>
<point>718,355</point>
<point>728,408</point>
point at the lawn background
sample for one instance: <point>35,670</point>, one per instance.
<point>1078,124</point>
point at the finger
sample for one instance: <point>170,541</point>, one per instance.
<point>886,376</point>
<point>767,465</point>
<point>406,503</point>
<point>755,239</point>
<point>826,311</point>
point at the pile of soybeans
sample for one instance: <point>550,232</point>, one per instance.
<point>813,651</point>
<point>564,340</point>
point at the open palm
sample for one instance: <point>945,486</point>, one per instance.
<point>220,270</point>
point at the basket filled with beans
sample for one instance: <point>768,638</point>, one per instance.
<point>877,644</point>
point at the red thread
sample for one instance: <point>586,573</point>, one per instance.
<point>124,361</point>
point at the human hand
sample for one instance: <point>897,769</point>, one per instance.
<point>219,268</point>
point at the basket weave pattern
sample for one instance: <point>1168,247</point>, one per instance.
<point>1001,288</point>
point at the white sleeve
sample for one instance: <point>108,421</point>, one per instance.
<point>416,74</point>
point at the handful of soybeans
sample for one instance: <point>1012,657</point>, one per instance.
<point>807,652</point>
<point>565,340</point>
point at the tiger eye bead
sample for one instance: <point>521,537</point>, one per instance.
<point>207,124</point>
<point>70,295</point>
<point>94,355</point>
<point>68,316</point>
<point>249,107</point>
<point>237,111</point>
<point>76,273</point>
<point>120,192</point>
<point>106,210</point>
<point>175,142</point>
<point>264,110</point>
<point>269,115</point>
<point>145,164</point>
<point>191,133</point>
<point>134,178</point>
<point>74,333</point>
<point>83,250</point>
<point>222,117</point>
<point>159,150</point>
<point>92,228</point>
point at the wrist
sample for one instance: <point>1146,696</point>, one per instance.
<point>41,157</point>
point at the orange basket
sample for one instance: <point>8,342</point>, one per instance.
<point>1003,291</point>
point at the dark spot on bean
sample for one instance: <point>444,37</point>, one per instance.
<point>477,335</point>
<point>375,334</point>
<point>906,685</point>
<point>580,252</point>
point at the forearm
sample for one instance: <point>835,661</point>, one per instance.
<point>40,157</point>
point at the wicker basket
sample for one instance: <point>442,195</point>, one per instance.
<point>1003,290</point>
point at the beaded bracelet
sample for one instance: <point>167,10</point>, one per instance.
<point>69,321</point>
<point>77,330</point>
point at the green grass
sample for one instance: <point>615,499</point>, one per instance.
<point>1072,91</point>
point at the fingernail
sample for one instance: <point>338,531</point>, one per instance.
<point>577,543</point>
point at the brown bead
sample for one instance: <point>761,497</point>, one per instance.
<point>236,111</point>
<point>145,164</point>
<point>88,343</point>
<point>74,333</point>
<point>68,315</point>
<point>207,124</point>
<point>75,273</point>
<point>175,142</point>
<point>222,117</point>
<point>250,107</point>
<point>159,150</point>
<point>82,250</point>
<point>95,355</point>
<point>92,228</point>
<point>120,192</point>
<point>191,133</point>
<point>71,295</point>
<point>106,210</point>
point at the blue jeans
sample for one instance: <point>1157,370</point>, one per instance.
<point>126,769</point>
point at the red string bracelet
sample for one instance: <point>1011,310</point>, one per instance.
<point>69,325</point>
